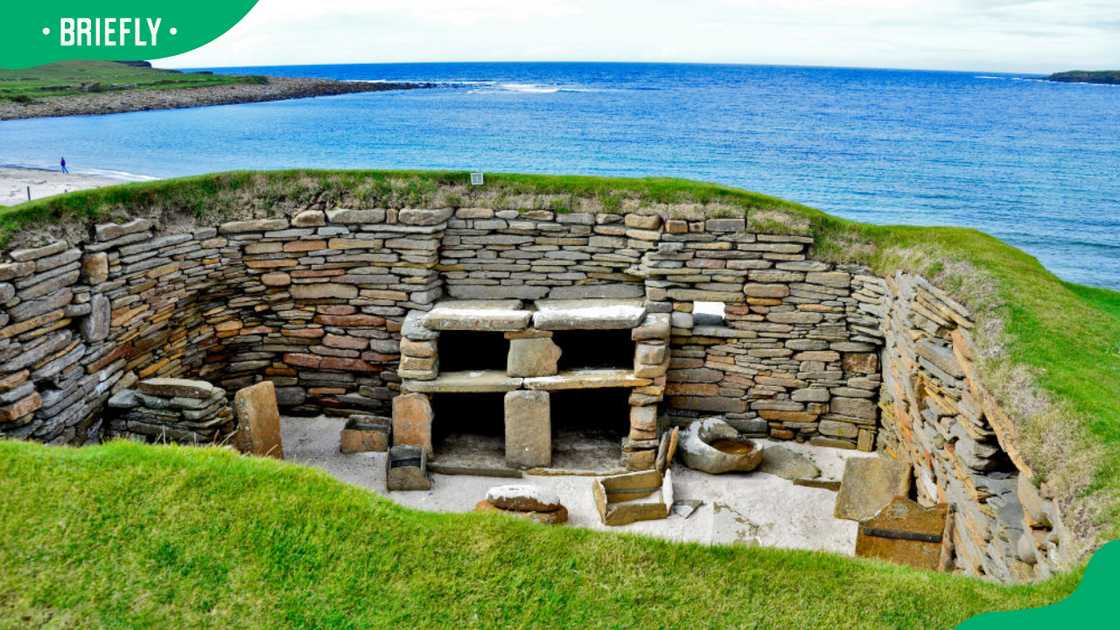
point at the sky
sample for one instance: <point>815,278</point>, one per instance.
<point>995,35</point>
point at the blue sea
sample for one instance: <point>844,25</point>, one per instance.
<point>1032,162</point>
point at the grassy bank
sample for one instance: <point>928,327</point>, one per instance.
<point>142,536</point>
<point>82,77</point>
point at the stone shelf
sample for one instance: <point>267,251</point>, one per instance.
<point>478,315</point>
<point>591,378</point>
<point>598,314</point>
<point>468,382</point>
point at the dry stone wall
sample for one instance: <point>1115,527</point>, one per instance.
<point>939,417</point>
<point>314,301</point>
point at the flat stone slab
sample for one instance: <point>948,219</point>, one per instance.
<point>177,387</point>
<point>478,315</point>
<point>473,381</point>
<point>588,314</point>
<point>869,485</point>
<point>591,378</point>
<point>788,464</point>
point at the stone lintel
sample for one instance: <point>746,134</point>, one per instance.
<point>478,315</point>
<point>591,314</point>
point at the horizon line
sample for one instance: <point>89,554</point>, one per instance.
<point>621,62</point>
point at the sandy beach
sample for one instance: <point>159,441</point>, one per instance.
<point>15,182</point>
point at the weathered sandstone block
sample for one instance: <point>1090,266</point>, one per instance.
<point>258,420</point>
<point>255,225</point>
<point>869,484</point>
<point>588,314</point>
<point>95,268</point>
<point>350,217</point>
<point>412,421</point>
<point>327,290</point>
<point>528,429</point>
<point>535,356</point>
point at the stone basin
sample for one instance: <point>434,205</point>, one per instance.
<point>713,446</point>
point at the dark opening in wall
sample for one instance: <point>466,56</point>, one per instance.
<point>594,349</point>
<point>469,428</point>
<point>468,350</point>
<point>588,426</point>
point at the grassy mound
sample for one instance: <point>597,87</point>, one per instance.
<point>133,535</point>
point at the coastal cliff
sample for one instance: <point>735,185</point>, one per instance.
<point>85,88</point>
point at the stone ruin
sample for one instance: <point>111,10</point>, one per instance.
<point>511,339</point>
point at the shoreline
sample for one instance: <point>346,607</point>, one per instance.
<point>116,102</point>
<point>16,180</point>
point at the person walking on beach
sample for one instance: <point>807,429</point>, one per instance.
<point>62,163</point>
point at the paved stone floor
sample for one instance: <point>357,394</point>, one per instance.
<point>752,508</point>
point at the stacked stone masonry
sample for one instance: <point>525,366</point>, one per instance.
<point>330,306</point>
<point>938,416</point>
<point>171,410</point>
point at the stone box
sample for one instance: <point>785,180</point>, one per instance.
<point>365,434</point>
<point>904,532</point>
<point>639,496</point>
<point>406,468</point>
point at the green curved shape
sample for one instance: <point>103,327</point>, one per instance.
<point>34,33</point>
<point>1091,605</point>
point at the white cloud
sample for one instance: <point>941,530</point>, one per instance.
<point>1012,35</point>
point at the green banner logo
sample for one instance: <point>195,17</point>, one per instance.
<point>1092,605</point>
<point>35,32</point>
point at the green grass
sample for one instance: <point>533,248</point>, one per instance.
<point>66,79</point>
<point>128,535</point>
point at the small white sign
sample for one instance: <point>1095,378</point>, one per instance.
<point>477,179</point>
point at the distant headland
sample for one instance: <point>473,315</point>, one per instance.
<point>107,87</point>
<point>1107,77</point>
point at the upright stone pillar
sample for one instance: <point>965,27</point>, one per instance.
<point>528,429</point>
<point>412,421</point>
<point>258,420</point>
